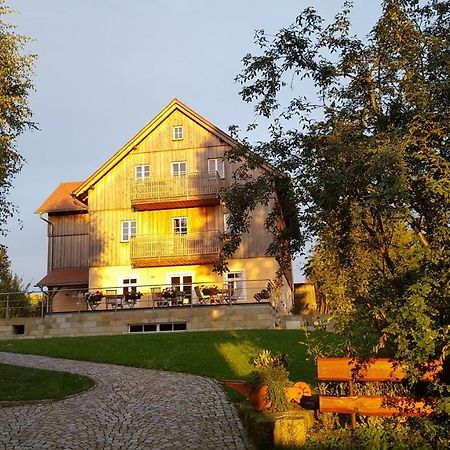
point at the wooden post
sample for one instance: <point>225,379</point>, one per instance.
<point>352,394</point>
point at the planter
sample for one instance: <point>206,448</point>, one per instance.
<point>258,396</point>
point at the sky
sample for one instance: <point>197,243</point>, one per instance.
<point>106,67</point>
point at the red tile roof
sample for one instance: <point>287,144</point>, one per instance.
<point>65,277</point>
<point>60,200</point>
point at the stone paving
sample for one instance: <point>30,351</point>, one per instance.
<point>129,408</point>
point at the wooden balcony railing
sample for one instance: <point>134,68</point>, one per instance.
<point>170,250</point>
<point>192,189</point>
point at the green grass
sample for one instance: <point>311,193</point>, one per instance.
<point>217,354</point>
<point>20,384</point>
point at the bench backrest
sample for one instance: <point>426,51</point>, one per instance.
<point>373,369</point>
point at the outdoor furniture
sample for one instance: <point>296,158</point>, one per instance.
<point>202,298</point>
<point>157,297</point>
<point>113,300</point>
<point>93,299</point>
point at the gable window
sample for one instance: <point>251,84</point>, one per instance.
<point>142,172</point>
<point>179,225</point>
<point>179,168</point>
<point>128,230</point>
<point>177,133</point>
<point>216,165</point>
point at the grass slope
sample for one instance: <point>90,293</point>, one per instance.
<point>25,384</point>
<point>218,354</point>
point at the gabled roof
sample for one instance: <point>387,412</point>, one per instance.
<point>174,105</point>
<point>60,200</point>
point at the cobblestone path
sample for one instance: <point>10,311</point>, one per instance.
<point>129,408</point>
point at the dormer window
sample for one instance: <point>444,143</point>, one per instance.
<point>177,133</point>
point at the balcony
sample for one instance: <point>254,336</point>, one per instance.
<point>174,250</point>
<point>185,191</point>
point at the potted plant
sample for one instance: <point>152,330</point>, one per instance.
<point>169,293</point>
<point>264,294</point>
<point>270,387</point>
<point>210,290</point>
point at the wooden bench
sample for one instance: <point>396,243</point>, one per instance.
<point>353,370</point>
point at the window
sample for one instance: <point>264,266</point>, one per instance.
<point>155,327</point>
<point>128,230</point>
<point>142,172</point>
<point>177,133</point>
<point>216,165</point>
<point>179,168</point>
<point>236,283</point>
<point>180,225</point>
<point>226,223</point>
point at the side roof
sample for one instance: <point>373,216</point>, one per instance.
<point>175,104</point>
<point>60,200</point>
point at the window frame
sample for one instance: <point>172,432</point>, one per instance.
<point>127,233</point>
<point>180,227</point>
<point>142,167</point>
<point>179,173</point>
<point>219,167</point>
<point>177,133</point>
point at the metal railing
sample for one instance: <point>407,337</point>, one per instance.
<point>190,185</point>
<point>192,294</point>
<point>164,245</point>
<point>22,304</point>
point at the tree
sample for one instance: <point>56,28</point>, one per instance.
<point>362,127</point>
<point>15,114</point>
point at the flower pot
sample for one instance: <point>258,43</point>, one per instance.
<point>258,396</point>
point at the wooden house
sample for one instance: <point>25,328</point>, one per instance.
<point>150,217</point>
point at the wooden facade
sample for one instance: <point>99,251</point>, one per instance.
<point>166,190</point>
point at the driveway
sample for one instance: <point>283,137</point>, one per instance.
<point>129,408</point>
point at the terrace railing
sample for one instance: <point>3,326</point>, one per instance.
<point>178,245</point>
<point>188,186</point>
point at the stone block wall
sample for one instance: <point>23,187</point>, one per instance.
<point>94,323</point>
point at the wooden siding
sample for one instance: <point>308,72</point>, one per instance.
<point>110,200</point>
<point>68,241</point>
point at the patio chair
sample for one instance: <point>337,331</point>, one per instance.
<point>202,298</point>
<point>157,297</point>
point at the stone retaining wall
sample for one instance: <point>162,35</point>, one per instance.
<point>92,323</point>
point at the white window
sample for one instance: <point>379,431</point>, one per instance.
<point>216,165</point>
<point>179,168</point>
<point>128,230</point>
<point>226,223</point>
<point>177,133</point>
<point>236,283</point>
<point>180,225</point>
<point>142,172</point>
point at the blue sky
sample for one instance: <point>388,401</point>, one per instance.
<point>107,67</point>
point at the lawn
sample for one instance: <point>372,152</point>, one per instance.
<point>217,354</point>
<point>19,384</point>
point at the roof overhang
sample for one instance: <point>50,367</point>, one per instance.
<point>65,278</point>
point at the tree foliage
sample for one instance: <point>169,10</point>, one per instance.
<point>15,114</point>
<point>362,127</point>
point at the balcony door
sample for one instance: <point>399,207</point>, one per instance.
<point>182,282</point>
<point>236,283</point>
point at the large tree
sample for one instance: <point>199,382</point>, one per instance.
<point>15,115</point>
<point>362,127</point>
